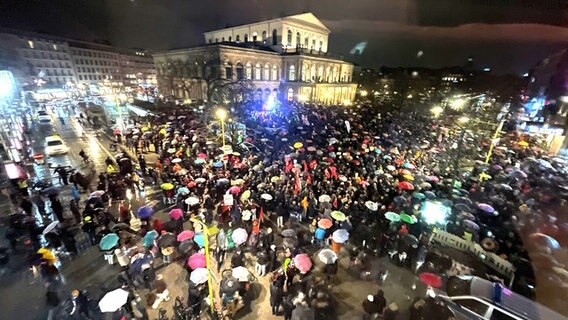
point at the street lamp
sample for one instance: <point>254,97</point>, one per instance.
<point>207,260</point>
<point>437,110</point>
<point>463,119</point>
<point>222,115</point>
<point>457,104</point>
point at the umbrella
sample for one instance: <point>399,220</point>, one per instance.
<point>470,224</point>
<point>199,239</point>
<point>430,195</point>
<point>289,242</point>
<point>408,165</point>
<point>176,213</point>
<point>319,233</point>
<point>192,201</point>
<point>392,216</point>
<point>196,260</point>
<point>241,273</point>
<point>145,212</point>
<point>245,195</point>
<point>400,200</point>
<point>340,236</point>
<point>185,246</point>
<point>289,233</point>
<point>98,193</point>
<point>183,191</point>
<point>266,196</point>
<point>405,185</point>
<point>408,218</point>
<point>486,208</point>
<point>430,279</point>
<point>298,145</point>
<point>338,215</point>
<point>185,235</point>
<point>218,164</point>
<point>166,240</point>
<point>176,160</point>
<point>425,185</point>
<point>234,190</point>
<point>202,156</point>
<point>114,300</point>
<point>327,256</point>
<point>410,240</point>
<point>419,195</point>
<point>167,186</point>
<point>109,241</point>
<point>544,240</point>
<point>200,180</point>
<point>149,237</point>
<point>373,206</point>
<point>50,227</point>
<point>239,236</point>
<point>324,198</point>
<point>523,143</point>
<point>463,207</point>
<point>303,262</point>
<point>182,172</point>
<point>199,161</point>
<point>391,168</point>
<point>325,223</point>
<point>51,191</point>
<point>199,275</point>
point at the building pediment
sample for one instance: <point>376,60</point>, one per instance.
<point>307,19</point>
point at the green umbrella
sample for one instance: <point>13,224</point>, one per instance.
<point>408,218</point>
<point>392,216</point>
<point>419,195</point>
<point>338,215</point>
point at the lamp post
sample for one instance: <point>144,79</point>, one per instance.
<point>222,115</point>
<point>207,261</point>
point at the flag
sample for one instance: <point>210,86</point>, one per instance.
<point>327,174</point>
<point>297,185</point>
<point>313,164</point>
<point>261,215</point>
<point>305,165</point>
<point>289,166</point>
<point>334,173</point>
<point>308,178</point>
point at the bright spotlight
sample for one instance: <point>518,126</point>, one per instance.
<point>221,114</point>
<point>457,104</point>
<point>434,212</point>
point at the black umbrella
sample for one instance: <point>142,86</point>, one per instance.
<point>185,246</point>
<point>409,240</point>
<point>289,233</point>
<point>119,226</point>
<point>463,207</point>
<point>289,242</point>
<point>170,226</point>
<point>166,240</point>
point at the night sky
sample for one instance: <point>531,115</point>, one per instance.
<point>505,35</point>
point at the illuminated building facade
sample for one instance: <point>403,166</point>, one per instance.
<point>287,55</point>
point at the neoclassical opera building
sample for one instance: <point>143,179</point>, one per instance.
<point>286,56</point>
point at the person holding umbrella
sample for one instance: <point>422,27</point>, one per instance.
<point>165,242</point>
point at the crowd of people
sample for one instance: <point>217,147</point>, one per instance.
<point>307,185</point>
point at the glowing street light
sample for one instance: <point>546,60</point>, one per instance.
<point>364,93</point>
<point>437,110</point>
<point>222,116</point>
<point>457,104</point>
<point>463,119</point>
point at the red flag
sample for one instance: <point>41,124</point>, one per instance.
<point>313,164</point>
<point>297,185</point>
<point>327,174</point>
<point>261,215</point>
<point>309,179</point>
<point>334,203</point>
<point>289,166</point>
<point>334,173</point>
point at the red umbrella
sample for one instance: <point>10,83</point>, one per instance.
<point>185,235</point>
<point>235,190</point>
<point>197,260</point>
<point>192,184</point>
<point>303,262</point>
<point>176,213</point>
<point>325,223</point>
<point>202,156</point>
<point>405,185</point>
<point>430,279</point>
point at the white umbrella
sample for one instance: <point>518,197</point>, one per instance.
<point>50,227</point>
<point>247,215</point>
<point>176,160</point>
<point>241,273</point>
<point>200,180</point>
<point>324,198</point>
<point>192,201</point>
<point>327,256</point>
<point>266,196</point>
<point>373,206</point>
<point>112,301</point>
<point>198,276</point>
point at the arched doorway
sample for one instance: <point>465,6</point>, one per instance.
<point>290,94</point>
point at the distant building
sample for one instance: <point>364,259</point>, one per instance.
<point>56,65</point>
<point>287,56</point>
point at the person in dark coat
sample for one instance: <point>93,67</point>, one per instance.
<point>80,304</point>
<point>90,228</point>
<point>74,207</point>
<point>57,208</point>
<point>26,205</point>
<point>288,306</point>
<point>238,258</point>
<point>276,296</point>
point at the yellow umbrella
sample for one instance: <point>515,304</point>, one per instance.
<point>275,179</point>
<point>163,131</point>
<point>167,186</point>
<point>111,169</point>
<point>144,129</point>
<point>408,177</point>
<point>484,176</point>
<point>213,230</point>
<point>298,145</point>
<point>245,195</point>
<point>523,144</point>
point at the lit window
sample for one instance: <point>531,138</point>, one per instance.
<point>248,72</point>
<point>274,73</point>
<point>257,72</point>
<point>292,73</point>
<point>266,72</point>
<point>31,44</point>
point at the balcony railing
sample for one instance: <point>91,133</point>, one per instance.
<point>310,52</point>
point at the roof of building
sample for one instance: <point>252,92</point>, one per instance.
<point>307,18</point>
<point>241,45</point>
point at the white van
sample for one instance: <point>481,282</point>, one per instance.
<point>54,145</point>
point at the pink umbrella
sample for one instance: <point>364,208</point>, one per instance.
<point>240,235</point>
<point>235,190</point>
<point>430,279</point>
<point>176,213</point>
<point>185,235</point>
<point>202,156</point>
<point>197,260</point>
<point>303,263</point>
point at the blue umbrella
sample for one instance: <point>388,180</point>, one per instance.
<point>320,233</point>
<point>340,236</point>
<point>199,161</point>
<point>378,151</point>
<point>199,239</point>
<point>419,195</point>
<point>447,202</point>
<point>387,157</point>
<point>148,240</point>
<point>145,212</point>
<point>108,242</point>
<point>183,191</point>
<point>430,195</point>
<point>218,164</point>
